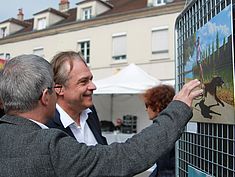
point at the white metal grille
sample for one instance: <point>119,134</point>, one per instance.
<point>212,148</point>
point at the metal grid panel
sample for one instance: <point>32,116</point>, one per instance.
<point>212,148</point>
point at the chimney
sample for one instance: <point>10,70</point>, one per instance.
<point>63,5</point>
<point>20,15</point>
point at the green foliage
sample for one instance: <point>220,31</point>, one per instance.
<point>217,40</point>
<point>189,47</point>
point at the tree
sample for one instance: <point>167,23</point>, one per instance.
<point>224,44</point>
<point>189,47</point>
<point>217,46</point>
<point>217,40</point>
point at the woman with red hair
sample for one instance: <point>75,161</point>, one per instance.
<point>156,99</point>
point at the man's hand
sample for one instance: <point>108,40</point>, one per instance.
<point>189,92</point>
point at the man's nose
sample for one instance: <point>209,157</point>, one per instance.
<point>92,86</point>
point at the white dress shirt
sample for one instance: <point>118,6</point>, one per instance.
<point>82,133</point>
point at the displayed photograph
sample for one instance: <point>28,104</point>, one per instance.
<point>192,172</point>
<point>208,56</point>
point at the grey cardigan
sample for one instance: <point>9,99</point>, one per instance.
<point>26,150</point>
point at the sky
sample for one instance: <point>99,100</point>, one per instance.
<point>9,8</point>
<point>220,24</point>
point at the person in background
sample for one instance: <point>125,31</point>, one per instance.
<point>119,124</point>
<point>156,100</point>
<point>75,113</point>
<point>28,148</point>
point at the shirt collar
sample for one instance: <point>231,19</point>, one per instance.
<point>39,124</point>
<point>66,120</point>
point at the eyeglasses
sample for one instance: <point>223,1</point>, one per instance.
<point>50,88</point>
<point>146,105</point>
<point>58,86</point>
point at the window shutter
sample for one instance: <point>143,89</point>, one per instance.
<point>160,41</point>
<point>119,45</point>
<point>39,52</point>
<point>41,23</point>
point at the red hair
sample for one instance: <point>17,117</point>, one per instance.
<point>157,98</point>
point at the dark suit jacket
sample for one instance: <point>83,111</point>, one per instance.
<point>1,112</point>
<point>165,165</point>
<point>26,150</point>
<point>92,121</point>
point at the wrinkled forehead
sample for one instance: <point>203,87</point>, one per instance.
<point>77,69</point>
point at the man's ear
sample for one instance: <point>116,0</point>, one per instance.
<point>59,89</point>
<point>45,97</point>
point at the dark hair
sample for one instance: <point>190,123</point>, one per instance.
<point>159,97</point>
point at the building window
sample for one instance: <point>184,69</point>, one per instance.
<point>2,56</point>
<point>5,56</point>
<point>119,47</point>
<point>41,23</point>
<point>159,2</point>
<point>3,32</point>
<point>8,56</point>
<point>38,52</point>
<point>160,41</point>
<point>84,48</point>
<point>86,13</point>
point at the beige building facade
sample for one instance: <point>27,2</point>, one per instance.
<point>111,35</point>
<point>135,35</point>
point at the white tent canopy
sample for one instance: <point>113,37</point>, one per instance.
<point>118,95</point>
<point>130,80</point>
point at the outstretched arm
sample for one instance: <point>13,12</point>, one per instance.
<point>135,155</point>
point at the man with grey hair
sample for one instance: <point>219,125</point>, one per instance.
<point>28,148</point>
<point>75,113</point>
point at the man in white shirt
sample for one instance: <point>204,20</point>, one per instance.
<point>75,113</point>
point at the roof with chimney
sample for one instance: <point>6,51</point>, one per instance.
<point>117,7</point>
<point>103,2</point>
<point>24,23</point>
<point>54,11</point>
